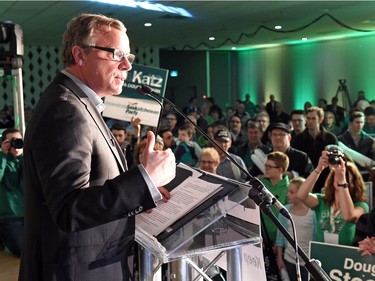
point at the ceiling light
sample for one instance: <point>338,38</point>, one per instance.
<point>234,48</point>
<point>278,27</point>
<point>304,39</point>
<point>148,24</point>
<point>211,38</point>
<point>148,6</point>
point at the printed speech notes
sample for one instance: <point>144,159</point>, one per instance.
<point>184,198</point>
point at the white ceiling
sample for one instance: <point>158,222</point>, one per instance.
<point>43,22</point>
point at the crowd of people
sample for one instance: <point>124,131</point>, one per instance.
<point>295,167</point>
<point>73,174</point>
<point>325,198</point>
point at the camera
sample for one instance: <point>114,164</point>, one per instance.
<point>334,156</point>
<point>16,143</point>
<point>342,81</point>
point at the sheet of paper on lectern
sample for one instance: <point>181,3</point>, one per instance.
<point>184,198</point>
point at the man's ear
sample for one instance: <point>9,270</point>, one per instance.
<point>78,54</point>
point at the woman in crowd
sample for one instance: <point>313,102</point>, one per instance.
<point>343,201</point>
<point>329,123</point>
<point>209,160</point>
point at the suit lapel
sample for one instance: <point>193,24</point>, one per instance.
<point>97,118</point>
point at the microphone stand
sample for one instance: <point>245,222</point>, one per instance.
<point>258,192</point>
<point>311,265</point>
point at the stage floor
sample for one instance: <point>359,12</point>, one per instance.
<point>9,266</point>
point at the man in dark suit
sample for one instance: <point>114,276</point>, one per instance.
<point>80,199</point>
<point>271,109</point>
<point>313,140</point>
<point>299,162</point>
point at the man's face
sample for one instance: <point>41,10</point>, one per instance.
<point>298,121</point>
<point>241,108</point>
<point>171,121</point>
<point>280,139</point>
<point>263,121</point>
<point>312,121</point>
<point>357,124</point>
<point>120,136</point>
<point>235,124</point>
<point>230,112</point>
<point>254,135</point>
<point>100,71</point>
<point>211,132</point>
<point>168,139</point>
<point>225,145</point>
<point>370,120</point>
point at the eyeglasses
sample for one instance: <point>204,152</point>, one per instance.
<point>116,54</point>
<point>297,120</point>
<point>268,167</point>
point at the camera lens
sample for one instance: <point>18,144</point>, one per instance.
<point>16,143</point>
<point>333,159</point>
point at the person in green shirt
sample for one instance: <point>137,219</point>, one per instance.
<point>11,191</point>
<point>277,183</point>
<point>343,201</point>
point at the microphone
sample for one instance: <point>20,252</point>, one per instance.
<point>266,195</point>
<point>143,90</point>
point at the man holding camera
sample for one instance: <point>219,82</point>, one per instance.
<point>314,139</point>
<point>11,191</point>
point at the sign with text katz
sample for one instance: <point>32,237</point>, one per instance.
<point>131,104</point>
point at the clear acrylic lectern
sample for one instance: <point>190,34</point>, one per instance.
<point>222,228</point>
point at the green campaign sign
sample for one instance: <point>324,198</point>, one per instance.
<point>156,78</point>
<point>130,104</point>
<point>343,262</point>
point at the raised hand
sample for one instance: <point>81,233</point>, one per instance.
<point>160,165</point>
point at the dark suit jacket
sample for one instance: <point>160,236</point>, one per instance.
<point>80,202</point>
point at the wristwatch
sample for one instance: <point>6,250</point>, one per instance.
<point>343,185</point>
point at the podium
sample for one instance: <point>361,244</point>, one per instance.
<point>222,228</point>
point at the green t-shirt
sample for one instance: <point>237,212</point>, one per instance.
<point>11,186</point>
<point>280,191</point>
<point>344,229</point>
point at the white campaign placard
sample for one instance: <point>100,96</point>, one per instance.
<point>122,108</point>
